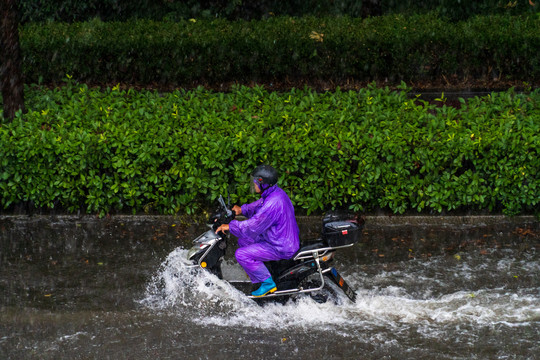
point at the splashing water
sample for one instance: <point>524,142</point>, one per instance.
<point>431,296</point>
<point>178,283</point>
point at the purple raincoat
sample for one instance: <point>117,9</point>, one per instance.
<point>270,233</point>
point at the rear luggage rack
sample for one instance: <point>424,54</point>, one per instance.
<point>318,252</point>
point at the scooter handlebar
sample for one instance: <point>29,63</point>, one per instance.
<point>229,212</point>
<point>224,216</point>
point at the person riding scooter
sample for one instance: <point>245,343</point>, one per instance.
<point>270,231</point>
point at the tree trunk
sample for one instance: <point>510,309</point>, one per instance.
<point>11,79</point>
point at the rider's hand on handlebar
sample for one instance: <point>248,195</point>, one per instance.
<point>224,227</point>
<point>237,210</point>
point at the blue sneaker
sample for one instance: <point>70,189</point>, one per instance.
<point>267,286</point>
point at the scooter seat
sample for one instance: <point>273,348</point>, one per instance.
<point>278,266</point>
<point>311,246</point>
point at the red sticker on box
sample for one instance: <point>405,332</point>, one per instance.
<point>344,232</point>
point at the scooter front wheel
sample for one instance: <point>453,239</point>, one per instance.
<point>216,270</point>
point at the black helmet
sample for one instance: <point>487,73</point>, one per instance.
<point>265,174</point>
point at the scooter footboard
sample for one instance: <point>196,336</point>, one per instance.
<point>337,279</point>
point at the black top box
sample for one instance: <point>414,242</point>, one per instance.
<point>340,233</point>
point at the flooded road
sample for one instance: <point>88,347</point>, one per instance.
<point>119,288</point>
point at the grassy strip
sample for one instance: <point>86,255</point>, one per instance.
<point>116,150</point>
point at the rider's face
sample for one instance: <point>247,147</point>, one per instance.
<point>257,188</point>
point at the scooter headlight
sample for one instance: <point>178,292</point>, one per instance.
<point>195,250</point>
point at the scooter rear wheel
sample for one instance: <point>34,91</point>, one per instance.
<point>327,293</point>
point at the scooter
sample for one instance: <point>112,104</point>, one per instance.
<point>307,272</point>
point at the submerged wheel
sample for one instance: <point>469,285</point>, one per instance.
<point>216,270</point>
<point>327,293</point>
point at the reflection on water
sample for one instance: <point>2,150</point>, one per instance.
<point>121,289</point>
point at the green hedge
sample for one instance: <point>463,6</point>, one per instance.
<point>388,48</point>
<point>123,150</point>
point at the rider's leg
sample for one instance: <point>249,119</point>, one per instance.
<point>245,241</point>
<point>252,258</point>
